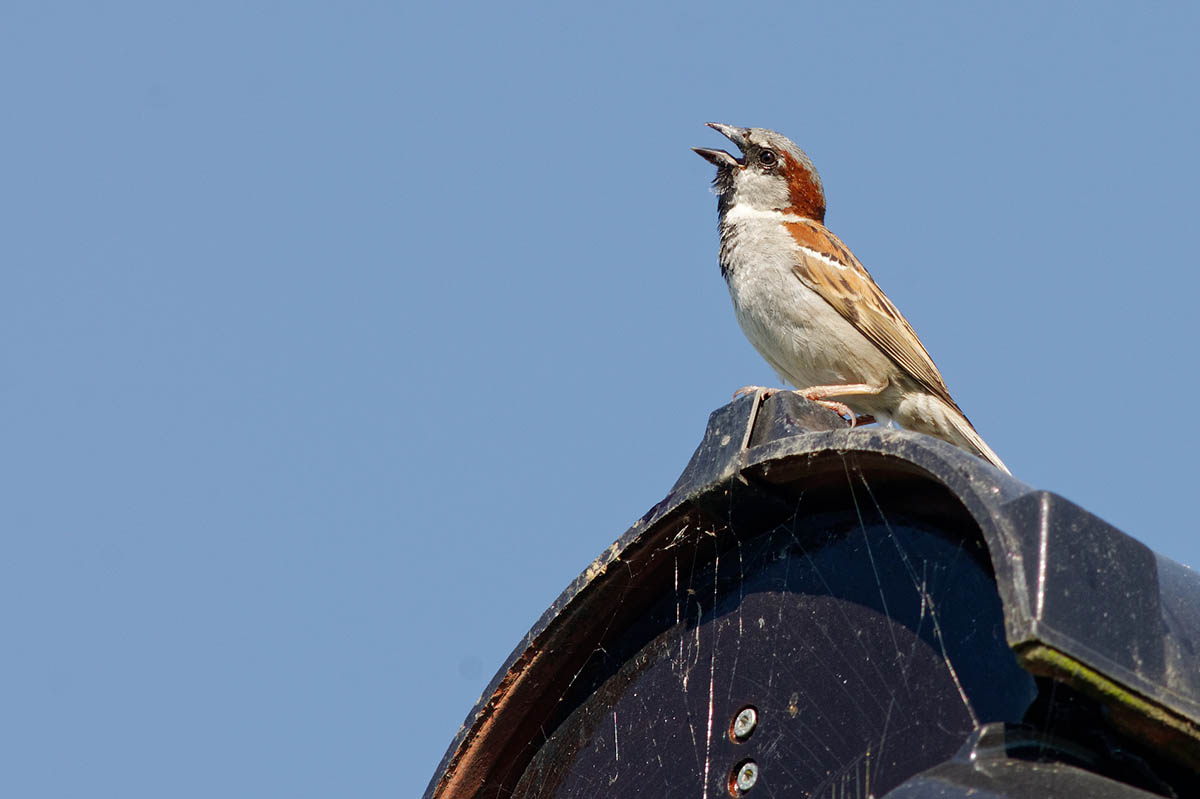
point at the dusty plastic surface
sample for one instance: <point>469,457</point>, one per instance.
<point>820,628</point>
<point>907,593</point>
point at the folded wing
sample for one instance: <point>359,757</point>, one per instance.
<point>829,268</point>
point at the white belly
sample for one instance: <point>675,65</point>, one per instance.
<point>799,334</point>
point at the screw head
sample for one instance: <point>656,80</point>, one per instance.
<point>747,775</point>
<point>744,723</point>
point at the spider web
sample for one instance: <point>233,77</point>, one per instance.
<point>865,638</point>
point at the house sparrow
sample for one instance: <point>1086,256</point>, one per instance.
<point>809,307</point>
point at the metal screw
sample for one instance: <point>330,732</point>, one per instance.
<point>747,775</point>
<point>744,723</point>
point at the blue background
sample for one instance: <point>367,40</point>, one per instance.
<point>339,337</point>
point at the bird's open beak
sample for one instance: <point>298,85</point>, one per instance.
<point>720,158</point>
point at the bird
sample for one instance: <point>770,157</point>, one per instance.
<point>810,307</point>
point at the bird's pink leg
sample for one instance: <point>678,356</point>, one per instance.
<point>819,395</point>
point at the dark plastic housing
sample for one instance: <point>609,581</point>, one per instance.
<point>902,619</point>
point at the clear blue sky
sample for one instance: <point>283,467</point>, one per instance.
<point>339,337</point>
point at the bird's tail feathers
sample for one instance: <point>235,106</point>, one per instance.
<point>964,436</point>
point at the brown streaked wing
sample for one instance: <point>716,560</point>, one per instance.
<point>874,314</point>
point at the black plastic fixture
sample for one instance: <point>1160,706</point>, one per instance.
<point>816,611</point>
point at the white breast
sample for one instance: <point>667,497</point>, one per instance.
<point>800,334</point>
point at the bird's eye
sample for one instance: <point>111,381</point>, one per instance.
<point>767,158</point>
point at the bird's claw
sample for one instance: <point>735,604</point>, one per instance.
<point>840,408</point>
<point>745,390</point>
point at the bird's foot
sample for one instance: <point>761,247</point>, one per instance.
<point>744,390</point>
<point>856,420</point>
<point>820,395</point>
<point>840,408</point>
